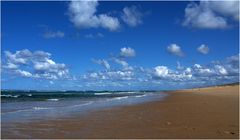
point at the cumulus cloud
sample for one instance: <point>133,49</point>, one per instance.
<point>127,52</point>
<point>175,50</point>
<point>203,49</point>
<point>232,64</point>
<point>10,65</point>
<point>217,72</point>
<point>221,70</point>
<point>125,72</point>
<point>226,8</point>
<point>49,67</point>
<point>164,73</point>
<point>210,14</point>
<point>20,57</point>
<point>161,71</point>
<point>199,17</point>
<point>113,75</point>
<point>132,16</point>
<point>103,63</point>
<point>202,71</point>
<point>23,73</point>
<point>36,64</point>
<point>83,15</point>
<point>121,62</point>
<point>52,34</point>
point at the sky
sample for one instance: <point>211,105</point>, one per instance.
<point>107,45</point>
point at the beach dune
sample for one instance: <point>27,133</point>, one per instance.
<point>197,113</point>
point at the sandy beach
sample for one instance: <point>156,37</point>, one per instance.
<point>197,113</point>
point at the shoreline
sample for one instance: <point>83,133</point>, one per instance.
<point>210,112</point>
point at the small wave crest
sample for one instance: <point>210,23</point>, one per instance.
<point>10,96</point>
<point>119,98</point>
<point>127,92</point>
<point>139,96</point>
<point>103,93</point>
<point>41,108</point>
<point>79,105</point>
<point>53,100</point>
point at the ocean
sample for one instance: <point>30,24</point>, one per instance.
<point>23,106</point>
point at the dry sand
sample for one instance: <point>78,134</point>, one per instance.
<point>197,113</point>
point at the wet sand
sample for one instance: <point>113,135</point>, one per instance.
<point>197,113</point>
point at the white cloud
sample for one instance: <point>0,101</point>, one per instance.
<point>218,72</point>
<point>132,16</point>
<point>175,50</point>
<point>203,49</point>
<point>197,66</point>
<point>93,75</point>
<point>52,34</point>
<point>210,14</point>
<point>83,15</point>
<point>103,63</point>
<point>50,67</point>
<point>41,55</point>
<point>127,52</point>
<point>213,73</point>
<point>113,75</point>
<point>221,70</point>
<point>231,64</point>
<point>199,70</point>
<point>106,64</point>
<point>164,73</point>
<point>225,8</point>
<point>161,71</point>
<point>38,64</point>
<point>10,66</point>
<point>199,17</point>
<point>20,57</point>
<point>23,73</point>
<point>121,62</point>
<point>122,75</point>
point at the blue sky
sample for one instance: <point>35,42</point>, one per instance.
<point>91,45</point>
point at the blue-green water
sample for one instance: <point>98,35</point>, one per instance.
<point>19,106</point>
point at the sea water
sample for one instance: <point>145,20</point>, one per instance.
<point>29,106</point>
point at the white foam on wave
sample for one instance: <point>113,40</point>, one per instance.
<point>131,92</point>
<point>139,96</point>
<point>13,96</point>
<point>53,99</point>
<point>119,98</point>
<point>41,108</point>
<point>103,93</point>
<point>79,105</point>
<point>126,92</point>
